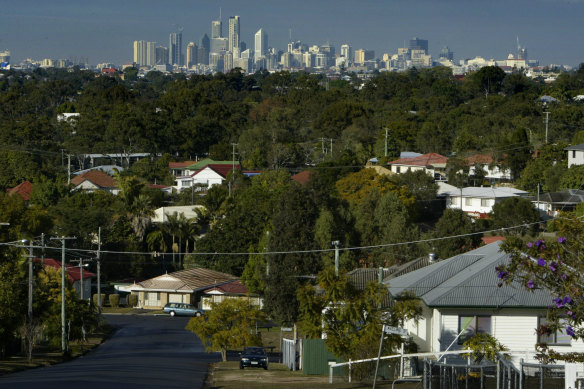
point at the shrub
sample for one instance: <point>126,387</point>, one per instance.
<point>114,300</point>
<point>102,299</point>
<point>131,300</point>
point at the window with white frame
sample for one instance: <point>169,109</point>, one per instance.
<point>471,325</point>
<point>485,202</point>
<point>468,201</point>
<point>558,337</point>
<point>152,298</point>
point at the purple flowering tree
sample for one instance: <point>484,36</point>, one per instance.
<point>556,265</point>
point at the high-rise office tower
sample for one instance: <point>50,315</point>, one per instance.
<point>234,36</point>
<point>161,55</point>
<point>419,44</point>
<point>260,44</point>
<point>204,49</point>
<point>347,52</point>
<point>175,49</point>
<point>216,29</point>
<point>150,53</point>
<point>446,53</point>
<point>192,53</point>
<point>218,45</point>
<point>140,52</point>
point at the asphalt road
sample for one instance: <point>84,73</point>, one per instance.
<point>145,352</point>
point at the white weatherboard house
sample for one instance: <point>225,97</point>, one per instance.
<point>460,295</point>
<point>478,201</point>
<point>575,155</point>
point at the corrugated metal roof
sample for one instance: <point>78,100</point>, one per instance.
<point>469,280</point>
<point>186,280</point>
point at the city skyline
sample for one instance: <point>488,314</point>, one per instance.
<point>106,31</point>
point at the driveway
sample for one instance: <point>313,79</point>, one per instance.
<point>145,352</point>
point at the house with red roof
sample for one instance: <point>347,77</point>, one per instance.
<point>493,171</point>
<point>95,180</point>
<point>75,274</point>
<point>431,163</point>
<point>302,177</point>
<point>230,290</point>
<point>24,190</point>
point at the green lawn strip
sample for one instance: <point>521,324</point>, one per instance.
<point>227,375</point>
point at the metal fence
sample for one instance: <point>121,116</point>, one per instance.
<point>289,353</point>
<point>441,375</point>
<point>537,376</point>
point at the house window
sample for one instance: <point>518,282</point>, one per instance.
<point>557,338</point>
<point>468,201</point>
<point>573,153</point>
<point>485,202</point>
<point>152,298</point>
<point>471,325</point>
<point>397,169</point>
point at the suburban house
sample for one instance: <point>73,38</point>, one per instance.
<point>205,177</point>
<point>432,163</point>
<point>94,180</point>
<point>478,201</point>
<point>178,169</point>
<point>24,190</point>
<point>184,286</point>
<point>461,297</point>
<point>229,290</point>
<point>187,168</point>
<point>551,204</point>
<point>189,211</point>
<point>75,274</point>
<point>575,154</point>
<point>493,171</point>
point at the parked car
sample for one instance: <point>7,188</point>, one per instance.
<point>182,309</point>
<point>253,357</point>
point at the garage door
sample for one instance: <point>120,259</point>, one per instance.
<point>175,298</point>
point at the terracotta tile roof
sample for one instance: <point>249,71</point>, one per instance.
<point>423,160</point>
<point>484,159</point>
<point>180,165</point>
<point>96,177</point>
<point>302,177</point>
<point>232,287</point>
<point>73,272</point>
<point>492,239</point>
<point>24,189</point>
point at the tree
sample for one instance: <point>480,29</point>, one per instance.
<point>12,307</point>
<point>516,211</point>
<point>554,265</point>
<point>489,79</point>
<point>352,319</point>
<point>228,325</point>
<point>454,222</point>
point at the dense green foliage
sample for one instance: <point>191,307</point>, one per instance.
<point>281,123</point>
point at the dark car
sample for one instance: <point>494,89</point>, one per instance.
<point>254,357</point>
<point>182,309</point>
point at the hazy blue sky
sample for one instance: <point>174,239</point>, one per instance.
<point>104,30</point>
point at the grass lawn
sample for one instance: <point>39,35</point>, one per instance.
<point>227,375</point>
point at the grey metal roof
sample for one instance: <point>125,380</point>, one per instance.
<point>468,280</point>
<point>569,196</point>
<point>575,147</point>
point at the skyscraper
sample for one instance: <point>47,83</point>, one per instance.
<point>203,51</point>
<point>161,55</point>
<point>347,52</point>
<point>175,49</point>
<point>261,44</point>
<point>234,36</point>
<point>419,44</point>
<point>192,53</point>
<point>140,52</point>
<point>216,29</point>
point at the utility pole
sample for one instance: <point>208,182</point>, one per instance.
<point>267,257</point>
<point>81,278</point>
<point>63,271</point>
<point>68,169</point>
<point>322,142</point>
<point>233,168</point>
<point>336,244</point>
<point>99,270</point>
<point>386,129</point>
<point>331,147</point>
<point>547,121</point>
<point>30,285</point>
<point>43,249</point>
